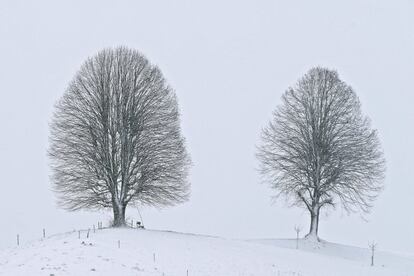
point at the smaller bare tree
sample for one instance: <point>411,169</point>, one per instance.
<point>373,247</point>
<point>320,151</point>
<point>297,228</point>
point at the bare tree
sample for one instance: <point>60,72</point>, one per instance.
<point>116,139</point>
<point>297,228</point>
<point>372,246</point>
<point>319,150</point>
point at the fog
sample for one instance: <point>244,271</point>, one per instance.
<point>229,63</point>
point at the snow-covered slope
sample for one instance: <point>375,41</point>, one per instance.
<point>145,252</point>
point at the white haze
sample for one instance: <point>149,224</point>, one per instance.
<point>229,62</point>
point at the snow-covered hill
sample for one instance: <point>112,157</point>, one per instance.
<point>145,252</point>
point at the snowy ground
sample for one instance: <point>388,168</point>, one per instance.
<point>145,252</point>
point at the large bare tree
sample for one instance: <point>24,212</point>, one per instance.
<point>116,138</point>
<point>320,150</point>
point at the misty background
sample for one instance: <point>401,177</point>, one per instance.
<point>229,63</point>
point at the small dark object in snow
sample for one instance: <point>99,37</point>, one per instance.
<point>139,226</point>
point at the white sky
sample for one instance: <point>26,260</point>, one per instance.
<point>229,62</point>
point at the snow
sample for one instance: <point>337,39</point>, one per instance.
<point>151,252</point>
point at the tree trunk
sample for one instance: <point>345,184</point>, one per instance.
<point>314,225</point>
<point>119,215</point>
